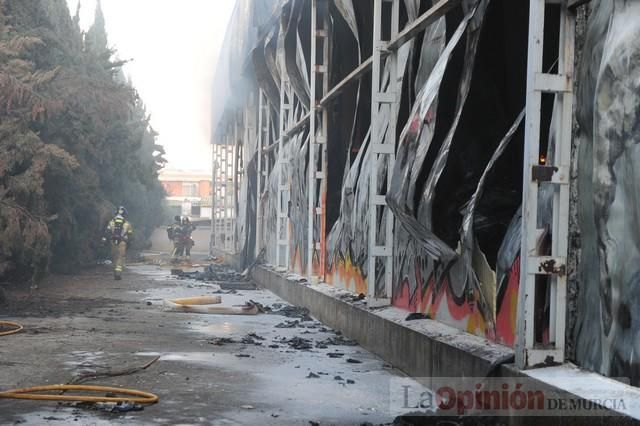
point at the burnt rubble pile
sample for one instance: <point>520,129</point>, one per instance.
<point>212,273</point>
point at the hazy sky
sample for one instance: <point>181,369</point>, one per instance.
<point>174,45</point>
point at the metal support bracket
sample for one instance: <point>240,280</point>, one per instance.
<point>534,265</point>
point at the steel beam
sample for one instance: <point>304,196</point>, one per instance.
<point>530,352</point>
<point>282,220</point>
<point>423,21</point>
<point>298,125</point>
<point>262,105</point>
<point>353,76</point>
<point>382,149</point>
<point>214,171</point>
<point>319,117</point>
<point>234,175</point>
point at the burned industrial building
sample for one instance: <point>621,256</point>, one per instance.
<point>402,149</point>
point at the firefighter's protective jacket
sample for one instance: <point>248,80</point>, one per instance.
<point>119,229</point>
<point>174,232</point>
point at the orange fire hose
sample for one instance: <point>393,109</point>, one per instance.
<point>16,327</point>
<point>28,393</point>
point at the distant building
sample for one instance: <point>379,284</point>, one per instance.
<point>188,192</point>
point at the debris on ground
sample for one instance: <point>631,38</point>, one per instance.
<point>290,311</point>
<point>313,375</point>
<point>255,336</point>
<point>243,355</point>
<point>335,341</point>
<point>337,378</point>
<point>352,297</point>
<point>82,377</point>
<point>288,324</point>
<point>220,291</point>
<point>216,273</point>
<point>125,407</point>
<point>252,339</point>
<point>297,278</point>
<point>353,361</point>
<point>296,343</point>
<point>335,354</point>
<point>227,279</point>
<point>263,309</point>
<point>220,341</point>
<point>236,285</point>
<point>416,316</point>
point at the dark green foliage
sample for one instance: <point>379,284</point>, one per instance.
<point>75,142</point>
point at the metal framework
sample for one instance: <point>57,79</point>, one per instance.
<point>530,352</point>
<point>247,135</point>
<point>385,94</point>
<point>282,227</point>
<point>318,122</point>
<point>383,145</point>
<point>317,119</point>
<point>233,171</point>
<point>212,237</point>
<point>224,183</point>
<point>228,184</point>
<point>217,208</point>
<point>227,168</point>
<point>213,243</point>
<point>262,168</point>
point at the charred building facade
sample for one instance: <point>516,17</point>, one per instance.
<point>455,158</point>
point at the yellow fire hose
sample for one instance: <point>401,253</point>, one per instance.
<point>16,327</point>
<point>28,393</point>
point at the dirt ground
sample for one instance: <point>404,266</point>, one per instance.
<point>90,323</point>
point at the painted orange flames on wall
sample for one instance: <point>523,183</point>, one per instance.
<point>439,303</point>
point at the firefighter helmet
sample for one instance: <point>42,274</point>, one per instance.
<point>122,211</point>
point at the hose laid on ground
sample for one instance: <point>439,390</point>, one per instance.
<point>198,300</point>
<point>208,305</point>
<point>28,393</point>
<point>16,327</point>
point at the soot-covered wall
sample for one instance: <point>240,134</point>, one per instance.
<point>475,103</point>
<point>456,185</point>
<point>607,330</point>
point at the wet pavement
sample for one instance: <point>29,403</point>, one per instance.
<point>279,367</point>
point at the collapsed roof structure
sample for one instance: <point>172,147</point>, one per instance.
<point>409,150</point>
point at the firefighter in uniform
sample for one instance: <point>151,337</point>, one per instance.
<point>174,232</point>
<point>187,241</point>
<point>119,232</point>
